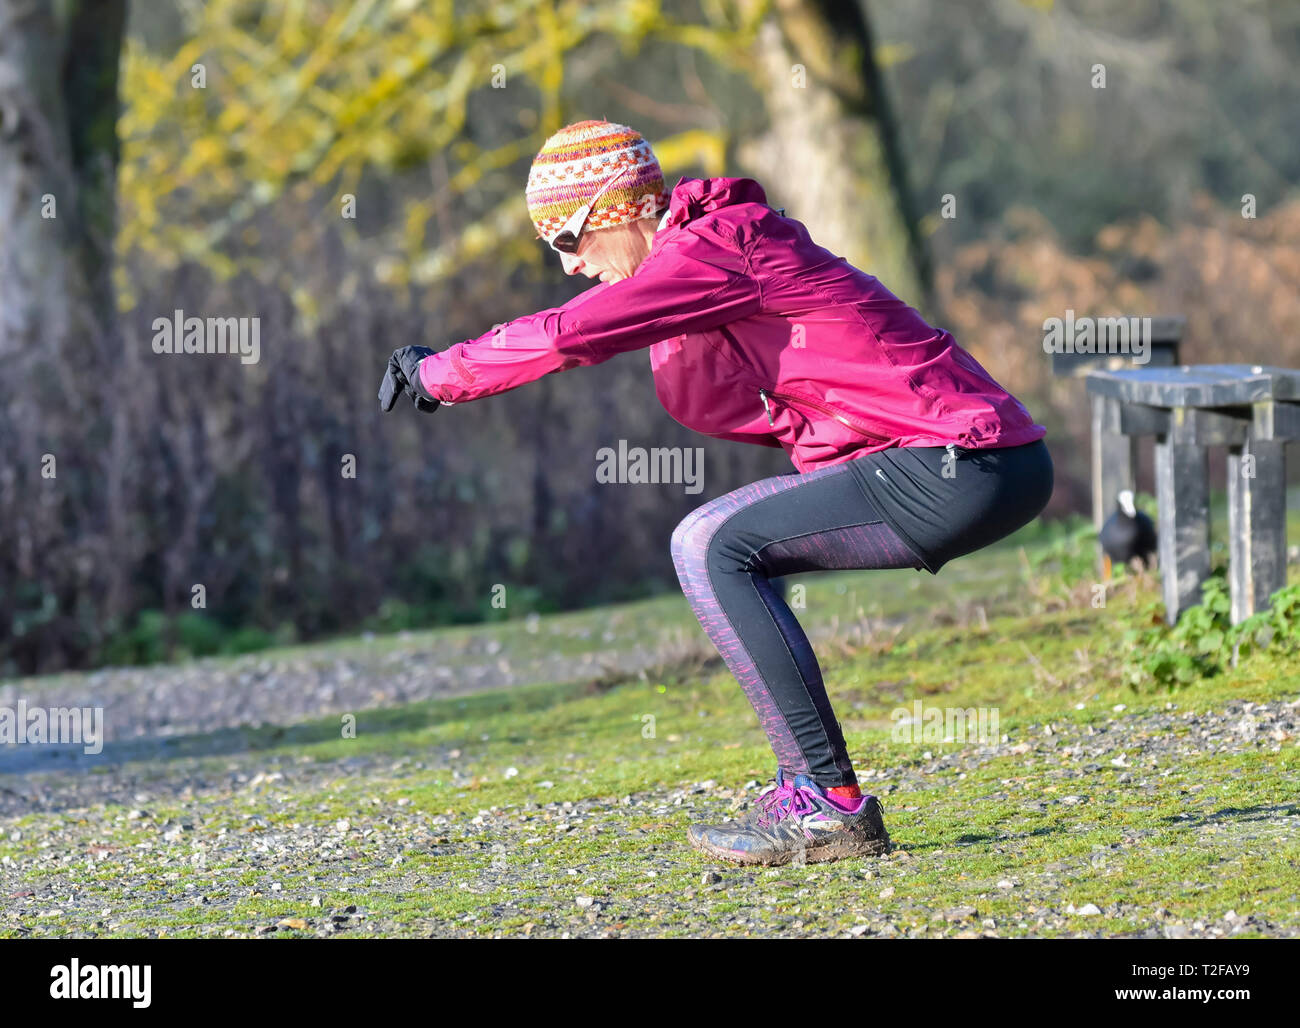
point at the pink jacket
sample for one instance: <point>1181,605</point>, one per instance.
<point>759,335</point>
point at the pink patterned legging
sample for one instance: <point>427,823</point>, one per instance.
<point>725,553</point>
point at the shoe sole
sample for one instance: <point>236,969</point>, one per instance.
<point>811,855</point>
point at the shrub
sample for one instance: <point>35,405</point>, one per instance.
<point>1204,641</point>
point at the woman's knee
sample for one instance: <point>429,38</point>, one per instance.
<point>691,536</point>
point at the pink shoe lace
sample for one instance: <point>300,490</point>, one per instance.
<point>780,802</point>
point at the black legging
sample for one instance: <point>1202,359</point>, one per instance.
<point>727,551</point>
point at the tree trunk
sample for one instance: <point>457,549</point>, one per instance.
<point>59,344</point>
<point>834,140</point>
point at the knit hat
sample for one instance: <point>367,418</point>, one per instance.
<point>577,161</point>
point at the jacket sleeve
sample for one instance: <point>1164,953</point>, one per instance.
<point>696,281</point>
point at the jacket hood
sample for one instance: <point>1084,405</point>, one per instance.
<point>694,197</point>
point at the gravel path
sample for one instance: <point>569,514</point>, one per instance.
<point>152,705</point>
<point>208,695</point>
<point>391,852</point>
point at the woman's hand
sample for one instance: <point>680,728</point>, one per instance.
<point>403,376</point>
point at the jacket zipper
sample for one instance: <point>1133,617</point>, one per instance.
<point>844,419</point>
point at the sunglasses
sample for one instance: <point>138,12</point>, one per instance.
<point>566,240</point>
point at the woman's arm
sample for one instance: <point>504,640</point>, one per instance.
<point>696,282</point>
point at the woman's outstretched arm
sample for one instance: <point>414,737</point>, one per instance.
<point>698,281</point>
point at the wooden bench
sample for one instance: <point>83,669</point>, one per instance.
<point>1253,411</point>
<point>1166,336</point>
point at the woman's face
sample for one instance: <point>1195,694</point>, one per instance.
<point>611,254</point>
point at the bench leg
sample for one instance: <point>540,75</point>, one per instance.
<point>1256,524</point>
<point>1114,468</point>
<point>1182,491</point>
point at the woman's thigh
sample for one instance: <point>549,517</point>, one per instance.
<point>818,521</point>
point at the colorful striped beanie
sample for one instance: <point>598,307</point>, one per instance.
<point>577,161</point>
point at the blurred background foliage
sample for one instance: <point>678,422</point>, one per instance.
<point>229,202</point>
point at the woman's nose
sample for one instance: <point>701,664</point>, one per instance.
<point>572,263</point>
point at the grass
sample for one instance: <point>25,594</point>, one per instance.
<point>455,818</point>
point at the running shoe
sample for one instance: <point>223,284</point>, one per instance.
<point>792,819</point>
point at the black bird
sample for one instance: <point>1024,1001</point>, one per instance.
<point>1127,533</point>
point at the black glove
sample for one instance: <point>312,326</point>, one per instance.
<point>403,376</point>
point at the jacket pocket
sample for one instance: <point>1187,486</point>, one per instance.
<point>797,400</point>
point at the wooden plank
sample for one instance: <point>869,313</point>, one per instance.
<point>1167,329</point>
<point>1215,426</point>
<point>1203,385</point>
<point>1114,461</point>
<point>1077,365</point>
<point>1139,419</point>
<point>1165,336</point>
<point>1256,524</point>
<point>1273,420</point>
<point>1182,492</point>
<point>1224,426</point>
